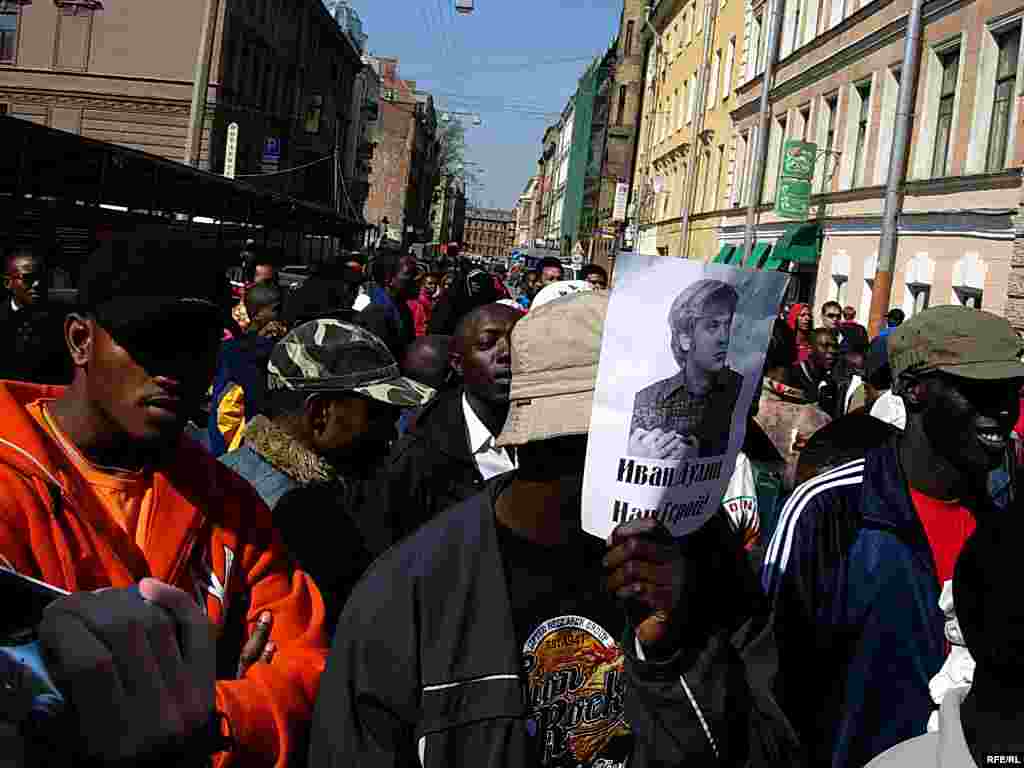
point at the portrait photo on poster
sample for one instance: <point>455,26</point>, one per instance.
<point>681,359</point>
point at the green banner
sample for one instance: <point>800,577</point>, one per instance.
<point>793,199</point>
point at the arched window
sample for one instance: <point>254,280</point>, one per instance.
<point>969,275</point>
<point>917,290</point>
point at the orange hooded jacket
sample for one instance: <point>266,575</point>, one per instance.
<point>207,533</point>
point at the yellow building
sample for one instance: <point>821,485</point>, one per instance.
<point>685,157</point>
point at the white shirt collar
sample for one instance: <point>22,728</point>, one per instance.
<point>14,305</point>
<point>480,437</point>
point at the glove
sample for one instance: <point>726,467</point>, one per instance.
<point>137,667</point>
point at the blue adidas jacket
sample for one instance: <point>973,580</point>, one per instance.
<point>854,596</point>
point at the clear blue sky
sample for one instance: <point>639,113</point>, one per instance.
<point>507,61</point>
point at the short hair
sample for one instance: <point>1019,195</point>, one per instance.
<point>828,304</point>
<point>550,261</point>
<point>262,295</point>
<point>386,265</point>
<point>691,302</point>
<point>34,251</point>
<point>593,269</point>
<point>850,308</point>
<point>895,317</point>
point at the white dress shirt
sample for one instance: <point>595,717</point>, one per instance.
<point>490,459</point>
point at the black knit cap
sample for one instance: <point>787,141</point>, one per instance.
<point>142,281</point>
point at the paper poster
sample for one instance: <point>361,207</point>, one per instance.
<point>684,344</point>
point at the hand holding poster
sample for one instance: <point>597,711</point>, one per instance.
<point>681,360</point>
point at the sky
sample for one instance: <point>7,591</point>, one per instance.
<point>510,61</point>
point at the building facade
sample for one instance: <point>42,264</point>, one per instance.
<point>490,233</point>
<point>683,166</point>
<point>405,160</point>
<point>837,84</point>
<point>547,170</point>
<point>525,213</point>
<point>123,73</point>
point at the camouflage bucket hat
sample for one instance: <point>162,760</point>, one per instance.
<point>331,356</point>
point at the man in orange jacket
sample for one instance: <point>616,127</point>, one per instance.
<point>99,487</point>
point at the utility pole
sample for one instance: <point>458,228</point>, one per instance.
<point>201,83</point>
<point>763,127</point>
<point>881,289</point>
<point>698,129</point>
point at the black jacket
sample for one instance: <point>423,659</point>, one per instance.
<point>426,670</point>
<point>430,468</point>
<point>32,346</point>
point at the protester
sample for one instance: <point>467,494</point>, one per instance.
<point>426,361</point>
<point>31,329</point>
<point>511,637</point>
<point>528,288</point>
<point>551,271</point>
<point>264,270</point>
<point>831,315</point>
<point>786,414</point>
<point>851,332</point>
<point>99,488</point>
<point>423,305</point>
<point>814,375</point>
<point>394,275</point>
<point>882,403</point>
<point>856,564</point>
<point>848,372</point>
<point>849,315</point>
<point>475,289</point>
<point>801,323</point>
<point>980,721</point>
<point>329,292</point>
<point>239,384</point>
<point>334,396</point>
<point>596,276</point>
<point>894,319</point>
<point>450,453</point>
<point>840,442</point>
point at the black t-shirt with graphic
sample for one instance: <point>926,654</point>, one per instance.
<point>569,629</point>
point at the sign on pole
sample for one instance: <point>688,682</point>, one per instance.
<point>231,151</point>
<point>793,199</point>
<point>621,195</point>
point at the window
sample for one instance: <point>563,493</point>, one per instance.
<point>947,97</point>
<point>918,288</point>
<point>1008,44</point>
<point>628,47</point>
<point>969,274</point>
<point>716,67</point>
<point>8,33</point>
<point>860,148</point>
<point>837,13</point>
<point>719,168</point>
<point>622,105</point>
<point>805,122</point>
<point>754,50</point>
<point>828,120</point>
<point>730,62</point>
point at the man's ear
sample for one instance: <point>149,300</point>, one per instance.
<point>80,337</point>
<point>317,413</point>
<point>455,361</point>
<point>913,391</point>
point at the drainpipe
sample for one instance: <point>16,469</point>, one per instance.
<point>201,83</point>
<point>698,128</point>
<point>764,123</point>
<point>894,188</point>
<point>653,121</point>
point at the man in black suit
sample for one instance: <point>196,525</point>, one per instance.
<point>32,344</point>
<point>689,415</point>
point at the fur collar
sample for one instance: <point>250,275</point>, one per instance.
<point>285,453</point>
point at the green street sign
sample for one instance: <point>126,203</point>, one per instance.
<point>793,199</point>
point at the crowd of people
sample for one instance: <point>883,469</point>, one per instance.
<point>340,525</point>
